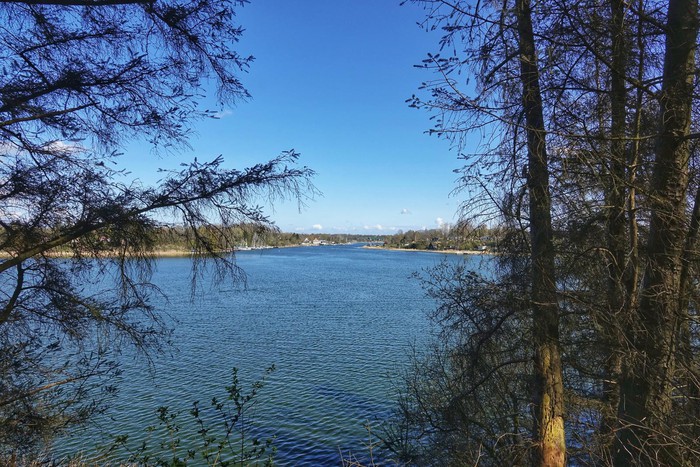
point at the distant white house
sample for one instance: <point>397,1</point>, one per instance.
<point>315,242</point>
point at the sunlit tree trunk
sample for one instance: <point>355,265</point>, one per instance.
<point>646,389</point>
<point>549,389</point>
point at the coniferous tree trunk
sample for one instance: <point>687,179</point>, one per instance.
<point>549,389</point>
<point>689,361</point>
<point>617,240</point>
<point>647,385</point>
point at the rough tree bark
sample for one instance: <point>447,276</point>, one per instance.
<point>550,449</point>
<point>617,240</point>
<point>647,384</point>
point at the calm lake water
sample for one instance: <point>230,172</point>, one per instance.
<point>338,322</point>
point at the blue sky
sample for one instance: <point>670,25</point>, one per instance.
<point>330,80</point>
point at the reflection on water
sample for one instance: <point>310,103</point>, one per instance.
<point>337,322</point>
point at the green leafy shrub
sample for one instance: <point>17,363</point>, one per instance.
<point>222,439</point>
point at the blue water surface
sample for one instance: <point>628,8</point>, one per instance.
<point>338,322</point>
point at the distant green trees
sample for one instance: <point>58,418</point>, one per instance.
<point>178,238</point>
<point>462,236</point>
<point>579,343</point>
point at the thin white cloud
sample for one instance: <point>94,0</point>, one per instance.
<point>57,146</point>
<point>222,113</point>
<point>440,221</point>
<point>405,211</point>
<point>317,227</point>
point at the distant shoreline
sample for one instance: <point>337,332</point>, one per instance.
<point>174,253</point>
<point>164,253</point>
<point>446,252</point>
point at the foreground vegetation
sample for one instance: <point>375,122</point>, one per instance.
<point>580,344</point>
<point>80,80</point>
<point>222,437</point>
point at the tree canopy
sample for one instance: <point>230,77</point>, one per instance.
<point>590,164</point>
<point>80,79</point>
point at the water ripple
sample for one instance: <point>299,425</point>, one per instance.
<point>336,322</point>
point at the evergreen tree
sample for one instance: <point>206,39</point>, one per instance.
<point>80,79</point>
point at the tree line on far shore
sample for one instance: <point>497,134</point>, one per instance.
<point>462,237</point>
<point>214,238</point>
